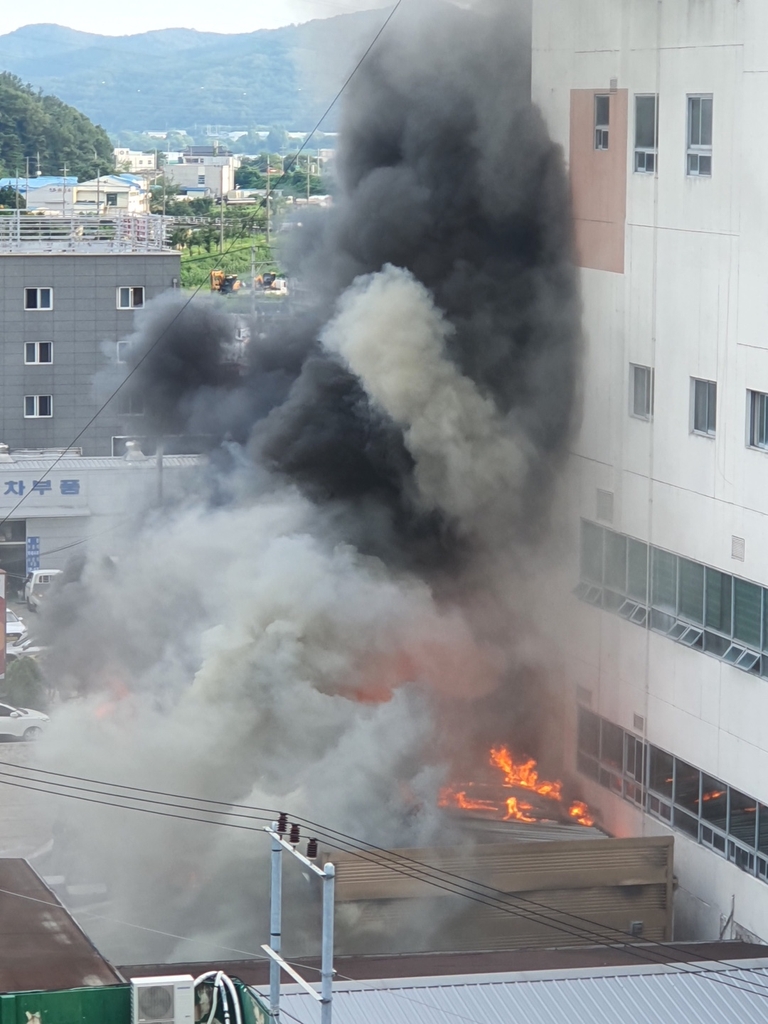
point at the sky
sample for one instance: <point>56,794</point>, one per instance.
<point>125,19</point>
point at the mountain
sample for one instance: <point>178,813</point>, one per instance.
<point>45,129</point>
<point>176,78</point>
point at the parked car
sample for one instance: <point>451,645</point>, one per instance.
<point>22,723</point>
<point>15,630</point>
<point>36,586</point>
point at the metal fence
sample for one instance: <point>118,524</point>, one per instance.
<point>22,232</point>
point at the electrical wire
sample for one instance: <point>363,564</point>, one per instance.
<point>420,871</point>
<point>165,330</point>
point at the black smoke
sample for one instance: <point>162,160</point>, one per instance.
<point>446,169</point>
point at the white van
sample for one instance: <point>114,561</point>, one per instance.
<point>36,586</point>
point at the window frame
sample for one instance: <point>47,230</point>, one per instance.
<point>38,290</point>
<point>650,387</point>
<point>36,346</point>
<point>695,151</point>
<point>754,399</point>
<point>37,415</point>
<point>131,289</point>
<point>125,404</point>
<point>126,347</point>
<point>711,407</point>
<point>641,153</point>
<point>601,129</point>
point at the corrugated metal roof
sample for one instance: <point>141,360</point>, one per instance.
<point>41,946</point>
<point>87,463</point>
<point>692,995</point>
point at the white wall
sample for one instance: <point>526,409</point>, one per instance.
<point>693,302</point>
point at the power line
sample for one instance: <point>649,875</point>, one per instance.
<point>420,871</point>
<point>195,292</point>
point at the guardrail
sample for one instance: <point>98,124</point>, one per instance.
<point>22,232</point>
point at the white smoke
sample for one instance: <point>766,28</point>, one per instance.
<point>468,458</point>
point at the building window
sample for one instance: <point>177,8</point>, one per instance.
<point>38,406</point>
<point>712,813</point>
<point>641,391</point>
<point>201,179</point>
<point>130,298</point>
<point>38,352</point>
<point>693,604</point>
<point>123,348</point>
<point>704,403</point>
<point>602,115</point>
<point>646,133</point>
<point>700,136</point>
<point>758,419</point>
<point>38,298</point>
<point>130,404</point>
<point>111,198</point>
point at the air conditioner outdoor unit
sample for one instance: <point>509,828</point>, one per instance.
<point>163,1000</point>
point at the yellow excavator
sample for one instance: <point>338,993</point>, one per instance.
<point>225,284</point>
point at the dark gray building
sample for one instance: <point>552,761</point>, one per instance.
<point>69,292</point>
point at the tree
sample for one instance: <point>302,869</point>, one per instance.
<point>277,140</point>
<point>24,686</point>
<point>10,198</point>
<point>49,133</point>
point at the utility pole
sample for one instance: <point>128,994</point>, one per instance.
<point>221,209</point>
<point>309,172</point>
<point>26,180</point>
<point>64,191</point>
<point>268,198</point>
<point>328,876</point>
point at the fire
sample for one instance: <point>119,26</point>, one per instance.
<point>580,812</point>
<point>516,810</point>
<point>517,775</point>
<point>524,776</point>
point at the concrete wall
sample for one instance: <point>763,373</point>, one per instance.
<point>84,326</point>
<point>691,302</point>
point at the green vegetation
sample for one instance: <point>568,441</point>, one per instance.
<point>197,261</point>
<point>32,124</point>
<point>10,198</point>
<point>252,174</point>
<point>24,685</point>
<point>177,78</point>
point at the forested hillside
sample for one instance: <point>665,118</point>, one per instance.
<point>32,124</point>
<point>177,78</point>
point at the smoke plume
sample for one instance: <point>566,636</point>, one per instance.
<point>333,617</point>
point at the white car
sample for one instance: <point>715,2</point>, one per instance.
<point>15,630</point>
<point>36,586</point>
<point>21,723</point>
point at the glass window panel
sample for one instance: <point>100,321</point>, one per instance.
<point>660,771</point>
<point>747,612</point>
<point>711,406</point>
<point>758,435</point>
<point>611,745</point>
<point>687,786</point>
<point>602,111</point>
<point>700,405</point>
<point>589,733</point>
<point>591,552</point>
<point>46,352</point>
<point>45,298</point>
<point>615,561</point>
<point>637,570</point>
<point>705,165</point>
<point>686,823</point>
<point>29,405</point>
<point>714,801</point>
<point>29,352</point>
<point>718,600</point>
<point>30,298</point>
<point>691,590</point>
<point>762,829</point>
<point>742,817</point>
<point>706,121</point>
<point>694,120</point>
<point>664,585</point>
<point>641,391</point>
<point>45,404</point>
<point>645,122</point>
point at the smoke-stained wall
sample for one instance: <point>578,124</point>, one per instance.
<point>332,625</point>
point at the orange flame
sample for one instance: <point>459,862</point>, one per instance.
<point>580,812</point>
<point>524,776</point>
<point>516,810</point>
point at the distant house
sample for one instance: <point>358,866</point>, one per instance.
<point>134,161</point>
<point>208,168</point>
<point>34,184</point>
<point>125,192</point>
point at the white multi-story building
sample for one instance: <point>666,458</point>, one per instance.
<point>204,169</point>
<point>656,105</point>
<point>134,161</point>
